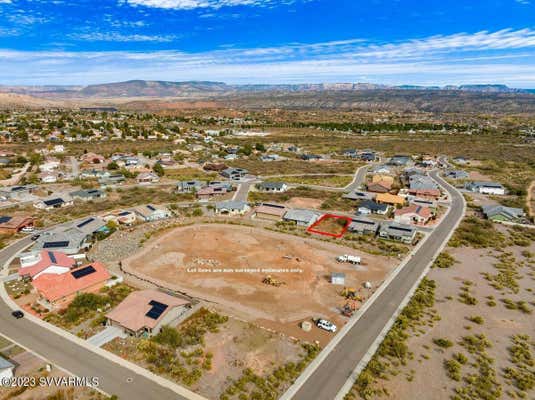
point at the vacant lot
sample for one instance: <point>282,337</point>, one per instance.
<point>226,264</point>
<point>258,167</point>
<point>464,344</point>
<point>318,180</point>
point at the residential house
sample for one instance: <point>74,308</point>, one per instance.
<point>381,169</point>
<point>270,211</point>
<point>35,264</point>
<point>57,291</point>
<point>486,188</point>
<point>143,313</point>
<point>431,194</point>
<point>357,195</point>
<point>351,153</point>
<point>461,160</point>
<point>368,156</point>
<point>92,158</point>
<point>54,201</point>
<point>379,187</point>
<point>214,167</point>
<point>456,174</point>
<point>501,213</point>
<point>6,369</point>
<point>190,186</point>
<point>399,160</point>
<point>48,177</point>
<point>422,182</point>
<point>147,178</point>
<point>432,204</point>
<point>234,173</point>
<point>112,179</point>
<point>301,217</point>
<point>11,225</point>
<point>275,187</point>
<point>383,178</point>
<point>208,192</point>
<point>396,231</point>
<point>269,157</point>
<point>413,214</point>
<point>371,207</point>
<point>311,157</point>
<point>391,199</point>
<point>88,194</point>
<point>363,225</point>
<point>68,241</point>
<point>18,193</point>
<point>149,212</point>
<point>91,226</point>
<point>123,217</point>
<point>49,165</point>
<point>231,207</point>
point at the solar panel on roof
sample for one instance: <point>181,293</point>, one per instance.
<point>156,310</point>
<point>53,202</point>
<point>80,273</point>
<point>4,219</point>
<point>52,257</point>
<point>122,214</point>
<point>151,208</point>
<point>87,221</point>
<point>49,245</point>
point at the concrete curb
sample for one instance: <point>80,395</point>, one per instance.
<point>362,364</point>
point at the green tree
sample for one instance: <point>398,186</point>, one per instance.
<point>158,169</point>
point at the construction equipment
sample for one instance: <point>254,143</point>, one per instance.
<point>269,280</point>
<point>351,294</point>
<point>349,308</point>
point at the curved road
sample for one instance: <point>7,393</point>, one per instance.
<point>328,378</point>
<point>77,360</point>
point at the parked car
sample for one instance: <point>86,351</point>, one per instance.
<point>28,229</point>
<point>326,325</point>
<point>17,314</point>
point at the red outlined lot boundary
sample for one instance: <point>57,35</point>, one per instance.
<point>313,228</point>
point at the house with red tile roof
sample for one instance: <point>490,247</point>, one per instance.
<point>145,312</point>
<point>58,291</point>
<point>11,225</point>
<point>413,214</point>
<point>432,194</point>
<point>34,265</point>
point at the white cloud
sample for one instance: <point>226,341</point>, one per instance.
<point>504,56</point>
<point>119,37</point>
<point>193,4</point>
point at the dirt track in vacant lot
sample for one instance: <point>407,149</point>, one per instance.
<point>193,259</point>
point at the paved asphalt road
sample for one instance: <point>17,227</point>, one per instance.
<point>359,179</point>
<point>327,380</point>
<point>75,359</point>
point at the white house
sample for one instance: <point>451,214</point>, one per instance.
<point>231,207</point>
<point>486,188</point>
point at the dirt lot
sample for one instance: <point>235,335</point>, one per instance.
<point>193,259</point>
<point>304,202</point>
<point>426,372</point>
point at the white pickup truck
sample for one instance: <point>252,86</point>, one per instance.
<point>348,259</point>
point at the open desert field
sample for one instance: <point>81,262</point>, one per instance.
<point>225,264</point>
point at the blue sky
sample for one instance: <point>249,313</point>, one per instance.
<point>426,42</point>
